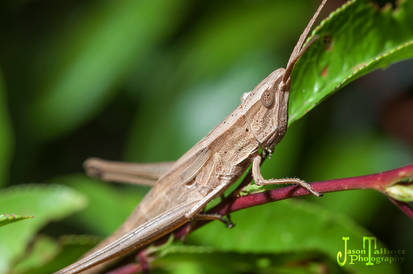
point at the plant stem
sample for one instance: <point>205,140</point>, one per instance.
<point>378,181</point>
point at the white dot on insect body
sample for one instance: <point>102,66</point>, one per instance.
<point>245,95</point>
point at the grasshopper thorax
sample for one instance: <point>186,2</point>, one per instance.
<point>266,109</point>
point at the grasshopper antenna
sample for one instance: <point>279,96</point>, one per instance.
<point>299,49</point>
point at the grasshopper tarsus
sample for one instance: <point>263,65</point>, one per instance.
<point>230,224</point>
<point>305,185</point>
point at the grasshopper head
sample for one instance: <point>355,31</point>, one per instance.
<point>266,109</point>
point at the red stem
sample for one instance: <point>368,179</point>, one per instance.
<point>377,181</point>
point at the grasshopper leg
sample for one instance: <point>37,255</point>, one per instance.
<point>214,216</point>
<point>207,217</point>
<point>259,180</point>
<point>133,173</point>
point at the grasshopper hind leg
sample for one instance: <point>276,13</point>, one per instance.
<point>132,173</point>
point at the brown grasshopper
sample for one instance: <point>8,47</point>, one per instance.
<point>182,189</point>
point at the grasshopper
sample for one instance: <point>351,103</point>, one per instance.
<point>183,188</point>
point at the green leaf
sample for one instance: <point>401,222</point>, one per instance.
<point>287,226</point>
<point>108,206</point>
<point>47,203</point>
<point>93,56</point>
<point>43,250</point>
<point>195,259</point>
<point>48,256</point>
<point>356,39</point>
<point>11,218</point>
<point>6,136</point>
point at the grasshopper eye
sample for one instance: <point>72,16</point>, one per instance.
<point>267,98</point>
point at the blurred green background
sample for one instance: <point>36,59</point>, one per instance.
<point>143,81</point>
